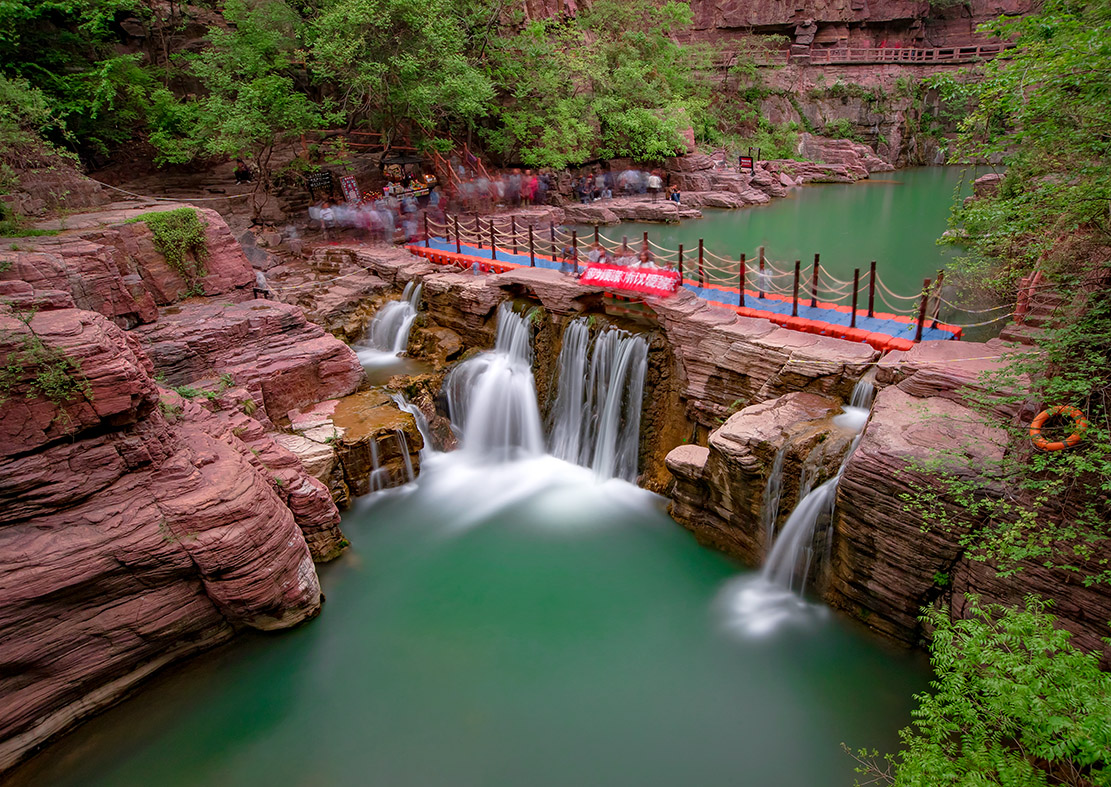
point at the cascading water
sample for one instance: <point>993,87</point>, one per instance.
<point>773,490</point>
<point>596,415</point>
<point>388,333</point>
<point>422,423</point>
<point>492,397</point>
<point>759,605</point>
<point>403,446</point>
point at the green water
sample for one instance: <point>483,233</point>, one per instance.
<point>894,218</point>
<point>509,626</point>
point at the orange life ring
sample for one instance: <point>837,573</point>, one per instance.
<point>1080,425</point>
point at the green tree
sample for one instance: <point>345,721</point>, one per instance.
<point>612,81</point>
<point>1013,704</point>
<point>251,102</point>
<point>401,65</point>
<point>1046,110</point>
<point>65,49</point>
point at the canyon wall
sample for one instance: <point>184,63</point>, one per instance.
<point>897,534</point>
<point>149,506</point>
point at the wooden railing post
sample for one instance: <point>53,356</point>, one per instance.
<point>458,247</point>
<point>760,278</point>
<point>513,227</point>
<point>595,234</point>
<point>856,286</point>
<point>680,264</point>
<point>531,249</point>
<point>872,291</point>
<point>478,231</point>
<point>426,230</point>
<point>937,295</point>
<point>814,285</point>
<point>922,309</point>
<point>575,247</point>
<point>795,296</point>
<point>551,237</point>
<point>493,251</point>
<point>741,280</point>
<point>701,270</point>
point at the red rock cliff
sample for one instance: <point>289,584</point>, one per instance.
<point>126,541</point>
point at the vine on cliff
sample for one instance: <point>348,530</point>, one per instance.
<point>179,237</point>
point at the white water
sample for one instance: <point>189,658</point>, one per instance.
<point>760,605</point>
<point>596,415</point>
<point>492,397</point>
<point>387,335</point>
<point>422,423</point>
<point>773,490</point>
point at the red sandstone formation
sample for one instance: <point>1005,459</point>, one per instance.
<point>126,541</point>
<point>138,527</point>
<point>268,348</point>
<point>111,266</point>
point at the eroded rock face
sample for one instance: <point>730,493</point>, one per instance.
<point>110,266</point>
<point>267,347</point>
<point>719,488</point>
<point>730,362</point>
<point>126,541</point>
<point>885,563</point>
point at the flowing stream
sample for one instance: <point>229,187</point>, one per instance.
<point>381,350</point>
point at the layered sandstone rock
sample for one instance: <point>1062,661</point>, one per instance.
<point>266,347</point>
<point>110,266</point>
<point>719,488</point>
<point>359,444</point>
<point>126,541</point>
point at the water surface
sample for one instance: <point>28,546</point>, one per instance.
<point>894,218</point>
<point>509,625</point>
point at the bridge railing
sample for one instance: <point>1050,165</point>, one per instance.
<point>961,54</point>
<point>752,276</point>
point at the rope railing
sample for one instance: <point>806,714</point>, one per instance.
<point>750,275</point>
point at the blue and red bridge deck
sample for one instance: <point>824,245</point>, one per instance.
<point>881,330</point>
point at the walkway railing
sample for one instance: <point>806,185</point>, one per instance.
<point>752,279</point>
<point>854,55</point>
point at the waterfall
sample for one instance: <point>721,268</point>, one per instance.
<point>403,445</point>
<point>758,605</point>
<point>596,414</point>
<point>379,476</point>
<point>389,330</point>
<point>773,490</point>
<point>422,423</point>
<point>492,397</point>
<point>788,565</point>
<point>855,413</point>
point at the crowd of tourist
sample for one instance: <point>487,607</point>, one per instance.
<point>604,184</point>
<point>379,220</point>
<point>388,218</point>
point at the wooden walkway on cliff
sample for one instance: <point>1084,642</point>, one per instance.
<point>875,55</point>
<point>812,305</point>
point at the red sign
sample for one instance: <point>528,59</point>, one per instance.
<point>653,281</point>
<point>747,163</point>
<point>350,188</point>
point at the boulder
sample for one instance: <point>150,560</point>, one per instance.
<point>719,489</point>
<point>111,266</point>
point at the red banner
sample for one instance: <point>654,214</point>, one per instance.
<point>652,281</point>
